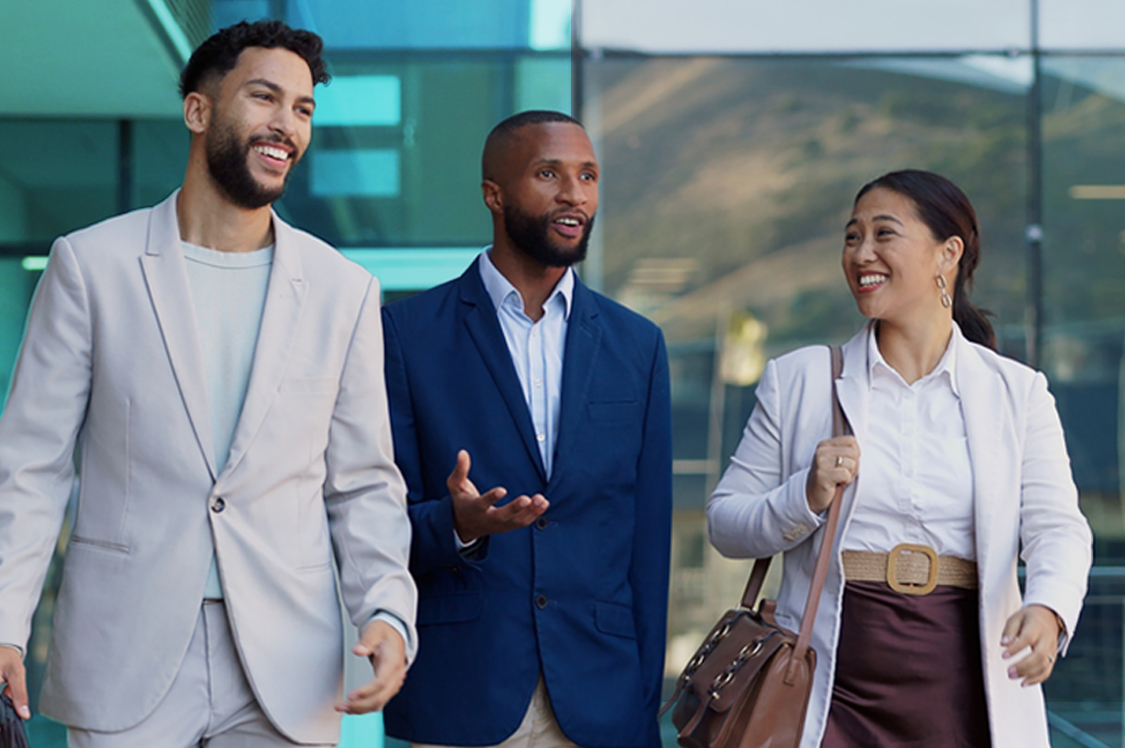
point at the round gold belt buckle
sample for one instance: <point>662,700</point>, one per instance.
<point>909,588</point>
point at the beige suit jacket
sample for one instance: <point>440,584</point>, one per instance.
<point>111,377</point>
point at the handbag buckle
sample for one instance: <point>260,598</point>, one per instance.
<point>911,588</point>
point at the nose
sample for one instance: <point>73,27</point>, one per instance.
<point>283,122</point>
<point>863,252</point>
<point>571,191</point>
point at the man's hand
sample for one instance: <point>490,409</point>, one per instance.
<point>1037,628</point>
<point>13,676</point>
<point>475,515</point>
<point>381,643</point>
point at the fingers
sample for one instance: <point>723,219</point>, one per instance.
<point>12,673</point>
<point>1034,632</point>
<point>491,497</point>
<point>457,480</point>
<point>835,463</point>
<point>520,512</point>
<point>384,646</point>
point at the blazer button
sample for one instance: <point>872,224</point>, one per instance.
<point>218,505</point>
<point>541,601</point>
<point>541,523</point>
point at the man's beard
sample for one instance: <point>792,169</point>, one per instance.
<point>227,161</point>
<point>531,235</point>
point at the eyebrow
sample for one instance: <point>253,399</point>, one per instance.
<point>277,89</point>
<point>881,217</point>
<point>558,162</point>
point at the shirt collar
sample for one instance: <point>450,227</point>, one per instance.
<point>501,290</point>
<point>947,366</point>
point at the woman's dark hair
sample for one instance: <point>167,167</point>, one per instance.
<point>218,55</point>
<point>945,209</point>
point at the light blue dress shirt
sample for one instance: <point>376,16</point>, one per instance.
<point>537,349</point>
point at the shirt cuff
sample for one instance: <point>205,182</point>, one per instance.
<point>13,646</point>
<point>467,549</point>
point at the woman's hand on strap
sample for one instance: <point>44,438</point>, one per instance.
<point>1036,627</point>
<point>835,464</point>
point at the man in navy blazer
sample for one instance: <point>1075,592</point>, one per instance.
<point>541,618</point>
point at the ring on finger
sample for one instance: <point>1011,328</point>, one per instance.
<point>839,460</point>
<point>1051,659</point>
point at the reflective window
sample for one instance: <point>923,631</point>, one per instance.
<point>814,26</point>
<point>1083,346</point>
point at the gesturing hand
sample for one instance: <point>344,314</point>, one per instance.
<point>475,515</point>
<point>383,645</point>
<point>834,464</point>
<point>1036,627</point>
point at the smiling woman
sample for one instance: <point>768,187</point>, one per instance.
<point>931,405</point>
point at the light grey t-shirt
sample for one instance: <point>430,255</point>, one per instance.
<point>228,290</point>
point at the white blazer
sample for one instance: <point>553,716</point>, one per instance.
<point>112,364</point>
<point>1023,497</point>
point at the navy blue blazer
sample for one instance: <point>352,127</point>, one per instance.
<point>580,596</point>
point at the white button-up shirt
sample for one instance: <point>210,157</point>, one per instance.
<point>537,349</point>
<point>915,472</point>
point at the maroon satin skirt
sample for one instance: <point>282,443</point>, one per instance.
<point>908,671</point>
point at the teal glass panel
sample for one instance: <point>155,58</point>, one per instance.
<point>414,269</point>
<point>418,24</point>
<point>359,100</point>
<point>55,176</point>
<point>357,173</point>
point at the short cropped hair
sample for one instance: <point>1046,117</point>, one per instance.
<point>218,55</point>
<point>506,129</point>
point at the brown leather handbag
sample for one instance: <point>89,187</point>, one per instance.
<point>748,684</point>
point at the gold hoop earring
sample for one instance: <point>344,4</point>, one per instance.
<point>945,300</point>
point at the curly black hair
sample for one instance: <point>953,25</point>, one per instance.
<point>218,55</point>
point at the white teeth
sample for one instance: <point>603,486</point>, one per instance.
<point>871,280</point>
<point>568,221</point>
<point>272,152</point>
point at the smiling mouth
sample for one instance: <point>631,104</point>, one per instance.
<point>871,281</point>
<point>272,154</point>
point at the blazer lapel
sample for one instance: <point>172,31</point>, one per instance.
<point>583,338</point>
<point>165,272</point>
<point>853,386</point>
<point>285,296</point>
<point>484,329</point>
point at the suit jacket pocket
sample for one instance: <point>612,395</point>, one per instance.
<point>618,410</point>
<point>99,545</point>
<point>309,385</point>
<point>464,606</point>
<point>611,618</point>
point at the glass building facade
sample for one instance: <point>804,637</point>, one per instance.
<point>733,137</point>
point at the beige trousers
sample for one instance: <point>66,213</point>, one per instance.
<point>210,703</point>
<point>538,728</point>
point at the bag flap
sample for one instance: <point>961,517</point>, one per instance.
<point>725,667</point>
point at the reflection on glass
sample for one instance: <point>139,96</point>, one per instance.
<point>726,187</point>
<point>1084,342</point>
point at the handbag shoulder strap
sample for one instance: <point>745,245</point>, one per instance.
<point>828,538</point>
<point>761,566</point>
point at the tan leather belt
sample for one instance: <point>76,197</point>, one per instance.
<point>911,569</point>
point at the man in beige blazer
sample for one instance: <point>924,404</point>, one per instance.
<point>217,376</point>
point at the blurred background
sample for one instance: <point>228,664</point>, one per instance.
<point>733,135</point>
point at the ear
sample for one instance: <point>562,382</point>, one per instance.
<point>197,112</point>
<point>951,251</point>
<point>493,196</point>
